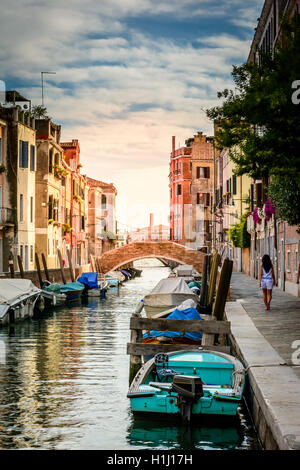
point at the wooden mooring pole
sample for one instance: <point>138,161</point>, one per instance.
<point>20,263</point>
<point>71,266</point>
<point>135,361</point>
<point>11,266</point>
<point>45,267</point>
<point>61,267</point>
<point>37,262</point>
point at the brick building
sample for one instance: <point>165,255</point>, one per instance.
<point>180,179</point>
<point>78,242</point>
<point>201,189</point>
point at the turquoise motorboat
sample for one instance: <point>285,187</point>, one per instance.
<point>189,384</point>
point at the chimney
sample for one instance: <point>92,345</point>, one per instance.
<point>173,144</point>
<point>151,220</point>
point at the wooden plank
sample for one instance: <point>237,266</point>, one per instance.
<point>162,314</point>
<point>166,324</point>
<point>44,261</point>
<point>223,287</point>
<point>213,278</point>
<point>135,361</point>
<point>148,349</point>
<point>94,270</point>
<point>204,290</point>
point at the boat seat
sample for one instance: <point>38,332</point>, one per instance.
<point>161,386</point>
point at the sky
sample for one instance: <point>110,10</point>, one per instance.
<point>130,74</point>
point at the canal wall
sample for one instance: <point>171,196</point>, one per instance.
<point>272,387</point>
<point>54,274</point>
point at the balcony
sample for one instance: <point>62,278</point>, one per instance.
<point>7,216</point>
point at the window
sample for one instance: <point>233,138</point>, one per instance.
<point>21,252</point>
<point>103,201</point>
<point>32,158</point>
<point>203,199</point>
<point>56,159</point>
<point>55,210</point>
<point>203,172</point>
<point>23,154</point>
<point>178,190</point>
<point>31,210</point>
<point>50,207</point>
<point>82,222</point>
<point>0,150</point>
<point>31,253</point>
<point>21,208</point>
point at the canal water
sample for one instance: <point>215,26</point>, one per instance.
<point>64,380</point>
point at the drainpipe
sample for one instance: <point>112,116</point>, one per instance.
<point>283,274</point>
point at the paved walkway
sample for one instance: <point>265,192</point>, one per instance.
<point>281,325</point>
<point>265,341</point>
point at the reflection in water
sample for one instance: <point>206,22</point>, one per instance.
<point>64,380</point>
<point>206,434</point>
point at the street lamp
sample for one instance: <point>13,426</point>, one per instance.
<point>42,77</point>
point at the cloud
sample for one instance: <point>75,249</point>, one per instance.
<point>121,91</point>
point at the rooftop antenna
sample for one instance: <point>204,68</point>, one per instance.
<point>42,76</point>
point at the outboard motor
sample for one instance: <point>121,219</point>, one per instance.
<point>190,390</point>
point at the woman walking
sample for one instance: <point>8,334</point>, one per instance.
<point>267,280</point>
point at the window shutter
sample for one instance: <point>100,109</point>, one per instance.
<point>25,154</point>
<point>32,158</point>
<point>234,184</point>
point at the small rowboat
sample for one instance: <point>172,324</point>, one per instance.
<point>188,384</point>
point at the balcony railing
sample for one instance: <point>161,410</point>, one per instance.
<point>7,216</point>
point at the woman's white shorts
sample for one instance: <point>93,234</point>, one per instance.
<point>267,285</point>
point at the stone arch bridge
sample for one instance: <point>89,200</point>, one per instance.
<point>117,257</point>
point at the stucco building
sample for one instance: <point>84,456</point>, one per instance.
<point>18,155</point>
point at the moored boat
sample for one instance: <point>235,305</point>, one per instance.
<point>73,290</point>
<point>52,294</point>
<point>114,278</point>
<point>186,272</point>
<point>185,311</point>
<point>188,384</point>
<point>93,287</point>
<point>166,295</point>
<point>18,300</point>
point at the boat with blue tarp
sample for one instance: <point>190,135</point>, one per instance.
<point>92,287</point>
<point>189,384</point>
<point>186,311</point>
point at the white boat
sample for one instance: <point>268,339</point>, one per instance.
<point>18,300</point>
<point>167,294</point>
<point>187,272</point>
<point>100,292</point>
